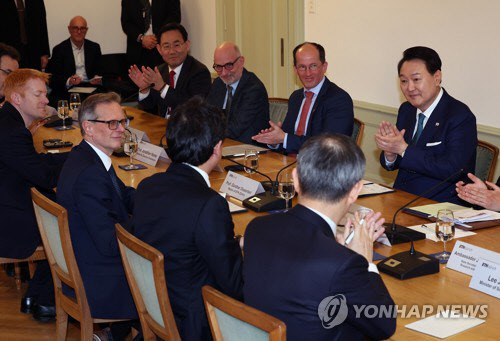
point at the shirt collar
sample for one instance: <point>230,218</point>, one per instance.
<point>234,85</point>
<point>106,160</point>
<point>177,70</point>
<point>427,113</point>
<point>317,88</point>
<point>330,222</point>
<point>76,47</point>
<point>201,171</point>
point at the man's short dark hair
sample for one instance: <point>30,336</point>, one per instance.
<point>425,54</point>
<point>193,130</point>
<point>7,50</point>
<point>318,47</point>
<point>172,27</point>
<point>328,167</point>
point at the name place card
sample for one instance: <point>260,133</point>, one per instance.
<point>486,278</point>
<point>150,153</point>
<point>141,135</point>
<point>239,186</point>
<point>465,257</point>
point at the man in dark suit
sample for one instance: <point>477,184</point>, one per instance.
<point>174,82</point>
<point>96,199</point>
<point>240,93</point>
<point>435,135</point>
<point>485,194</point>
<point>297,267</point>
<point>141,20</point>
<point>179,214</point>
<point>21,168</point>
<point>23,25</point>
<point>9,61</point>
<point>75,60</point>
<point>321,106</point>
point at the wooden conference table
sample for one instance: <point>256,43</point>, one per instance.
<point>446,287</point>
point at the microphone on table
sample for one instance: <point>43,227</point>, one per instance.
<point>268,200</point>
<point>398,234</point>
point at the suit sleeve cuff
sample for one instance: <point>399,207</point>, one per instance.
<point>164,91</point>
<point>143,95</point>
<point>389,164</point>
<point>372,267</point>
<point>285,140</point>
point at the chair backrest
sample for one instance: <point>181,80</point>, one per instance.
<point>52,221</point>
<point>233,320</point>
<point>278,108</point>
<point>357,131</point>
<point>486,160</point>
<point>145,272</point>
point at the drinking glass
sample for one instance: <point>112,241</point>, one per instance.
<point>251,160</point>
<point>286,188</point>
<point>130,148</point>
<point>63,113</point>
<point>74,104</point>
<point>445,230</point>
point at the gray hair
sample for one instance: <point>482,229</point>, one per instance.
<point>328,167</point>
<point>89,105</point>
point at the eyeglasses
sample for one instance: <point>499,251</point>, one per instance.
<point>227,66</point>
<point>7,72</point>
<point>113,124</point>
<point>175,46</point>
<point>79,28</point>
<point>312,67</point>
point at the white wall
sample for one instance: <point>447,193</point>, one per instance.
<point>364,40</point>
<point>103,19</point>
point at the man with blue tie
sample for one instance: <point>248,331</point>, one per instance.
<point>435,135</point>
<point>321,106</point>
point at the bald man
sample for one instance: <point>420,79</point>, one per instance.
<point>239,93</point>
<point>75,61</point>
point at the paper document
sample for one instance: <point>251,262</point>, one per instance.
<point>470,216</point>
<point>239,150</point>
<point>443,327</point>
<point>82,90</point>
<point>433,209</point>
<point>430,231</point>
<point>233,208</point>
<point>371,188</point>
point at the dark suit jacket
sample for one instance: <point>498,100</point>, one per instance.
<point>249,112</point>
<point>36,30</point>
<point>62,63</point>
<point>293,262</point>
<point>94,207</point>
<point>21,168</point>
<point>193,80</point>
<point>132,19</point>
<point>178,214</point>
<point>332,112</point>
<point>452,126</point>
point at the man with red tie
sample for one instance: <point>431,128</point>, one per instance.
<point>181,77</point>
<point>321,106</point>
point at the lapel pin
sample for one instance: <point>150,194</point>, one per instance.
<point>437,124</point>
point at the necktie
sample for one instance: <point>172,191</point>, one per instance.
<point>420,127</point>
<point>171,81</point>
<point>301,128</point>
<point>229,100</point>
<point>114,180</point>
<point>22,26</point>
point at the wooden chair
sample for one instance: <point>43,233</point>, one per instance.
<point>486,160</point>
<point>357,131</point>
<point>145,272</point>
<point>278,108</point>
<point>233,320</point>
<point>53,225</point>
<point>39,254</point>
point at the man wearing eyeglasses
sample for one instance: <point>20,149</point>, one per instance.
<point>239,93</point>
<point>96,199</point>
<point>321,106</point>
<point>181,77</point>
<point>75,61</point>
<point>9,61</point>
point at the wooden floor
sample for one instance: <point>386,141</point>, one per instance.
<point>15,325</point>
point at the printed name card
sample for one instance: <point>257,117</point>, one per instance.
<point>150,153</point>
<point>239,186</point>
<point>465,257</point>
<point>141,135</point>
<point>486,277</point>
